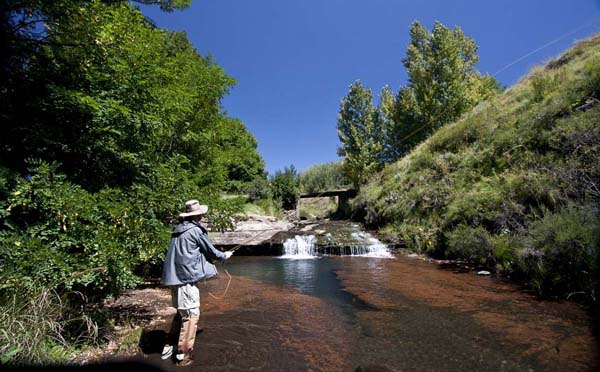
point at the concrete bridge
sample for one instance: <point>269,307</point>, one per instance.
<point>343,197</point>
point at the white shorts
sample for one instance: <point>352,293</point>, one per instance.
<point>186,299</point>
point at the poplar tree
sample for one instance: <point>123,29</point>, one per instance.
<point>361,134</point>
<point>443,84</point>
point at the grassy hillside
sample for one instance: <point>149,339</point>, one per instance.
<point>514,185</point>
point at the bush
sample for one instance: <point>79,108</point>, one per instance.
<point>55,232</point>
<point>471,243</point>
<point>259,189</point>
<point>285,187</point>
<point>562,250</point>
<point>323,177</point>
<point>543,83</point>
<point>31,329</point>
<point>505,247</point>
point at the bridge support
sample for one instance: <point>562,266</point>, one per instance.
<point>343,200</point>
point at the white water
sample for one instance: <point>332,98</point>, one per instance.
<point>369,246</point>
<point>305,246</point>
<point>300,247</point>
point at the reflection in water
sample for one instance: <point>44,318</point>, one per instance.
<point>411,315</point>
<point>302,274</point>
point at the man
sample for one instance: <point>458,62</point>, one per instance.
<point>189,260</point>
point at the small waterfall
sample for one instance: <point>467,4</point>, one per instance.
<point>363,244</point>
<point>300,246</point>
<point>370,246</point>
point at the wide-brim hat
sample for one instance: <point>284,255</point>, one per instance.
<point>193,208</point>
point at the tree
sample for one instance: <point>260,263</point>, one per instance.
<point>361,134</point>
<point>285,187</point>
<point>443,84</point>
<point>385,119</point>
<point>112,97</point>
<point>240,156</point>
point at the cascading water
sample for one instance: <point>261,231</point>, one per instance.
<point>359,243</point>
<point>300,246</point>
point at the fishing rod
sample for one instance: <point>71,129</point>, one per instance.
<point>232,250</point>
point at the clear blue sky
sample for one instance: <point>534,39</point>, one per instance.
<point>294,60</point>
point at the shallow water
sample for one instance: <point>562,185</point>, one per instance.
<point>342,313</point>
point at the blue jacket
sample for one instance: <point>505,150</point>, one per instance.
<point>190,255</point>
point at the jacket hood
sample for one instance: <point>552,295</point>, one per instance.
<point>181,228</point>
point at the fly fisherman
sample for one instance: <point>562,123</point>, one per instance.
<point>189,259</point>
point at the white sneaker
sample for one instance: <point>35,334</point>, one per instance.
<point>167,352</point>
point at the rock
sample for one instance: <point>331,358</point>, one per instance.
<point>255,230</point>
<point>483,272</point>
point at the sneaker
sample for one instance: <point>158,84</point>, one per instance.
<point>167,352</point>
<point>184,360</point>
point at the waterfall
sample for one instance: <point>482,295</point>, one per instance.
<point>300,246</point>
<point>369,246</point>
<point>363,244</point>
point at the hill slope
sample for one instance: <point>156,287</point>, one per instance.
<point>514,185</point>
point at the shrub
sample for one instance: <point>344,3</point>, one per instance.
<point>31,330</point>
<point>561,252</point>
<point>419,238</point>
<point>285,187</point>
<point>55,232</point>
<point>505,247</point>
<point>259,189</point>
<point>323,177</point>
<point>471,243</point>
<point>543,83</point>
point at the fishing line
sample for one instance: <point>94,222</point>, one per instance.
<point>227,272</point>
<point>545,46</point>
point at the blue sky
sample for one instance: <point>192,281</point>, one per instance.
<point>294,60</point>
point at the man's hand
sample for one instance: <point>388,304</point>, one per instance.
<point>228,254</point>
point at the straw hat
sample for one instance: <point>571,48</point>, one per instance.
<point>193,208</point>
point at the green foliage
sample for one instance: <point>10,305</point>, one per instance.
<point>477,187</point>
<point>443,84</point>
<point>111,124</point>
<point>561,252</point>
<point>471,243</point>
<point>259,189</point>
<point>31,329</point>
<point>265,207</point>
<point>361,134</point>
<point>317,208</point>
<point>239,154</point>
<point>323,177</point>
<point>221,213</point>
<point>543,84</point>
<point>127,99</point>
<point>132,114</point>
<point>285,187</point>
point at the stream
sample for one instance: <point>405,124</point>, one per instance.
<point>362,307</point>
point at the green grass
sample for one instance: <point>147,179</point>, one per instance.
<point>478,188</point>
<point>317,208</point>
<point>32,330</point>
<point>265,207</point>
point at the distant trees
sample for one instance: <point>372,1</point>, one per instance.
<point>443,84</point>
<point>322,177</point>
<point>284,185</point>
